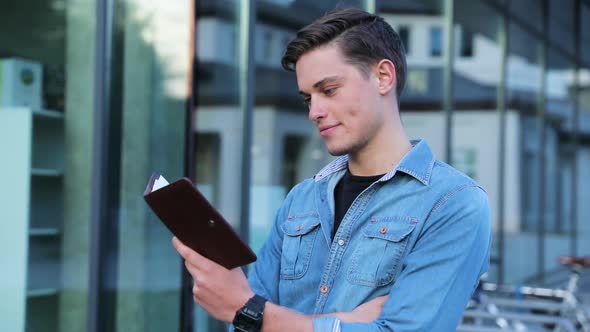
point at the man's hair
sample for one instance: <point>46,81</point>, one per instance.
<point>363,38</point>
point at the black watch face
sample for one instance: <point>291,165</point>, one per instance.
<point>252,314</point>
<point>247,320</point>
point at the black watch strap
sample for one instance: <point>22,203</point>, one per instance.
<point>249,318</point>
<point>257,302</point>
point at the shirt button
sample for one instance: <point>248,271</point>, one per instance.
<point>341,242</point>
<point>383,230</point>
<point>324,289</point>
<point>298,227</point>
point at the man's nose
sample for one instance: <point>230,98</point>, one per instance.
<point>316,110</point>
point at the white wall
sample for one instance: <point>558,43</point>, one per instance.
<point>483,66</point>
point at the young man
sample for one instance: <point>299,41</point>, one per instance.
<point>384,238</point>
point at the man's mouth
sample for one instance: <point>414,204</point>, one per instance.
<point>325,130</point>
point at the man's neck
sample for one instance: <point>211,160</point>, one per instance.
<point>382,155</point>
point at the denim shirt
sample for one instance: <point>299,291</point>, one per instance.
<point>421,234</point>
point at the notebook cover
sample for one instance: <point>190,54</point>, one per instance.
<point>195,222</point>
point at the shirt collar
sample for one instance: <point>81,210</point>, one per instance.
<point>418,163</point>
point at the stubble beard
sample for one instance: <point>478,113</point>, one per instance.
<point>349,148</point>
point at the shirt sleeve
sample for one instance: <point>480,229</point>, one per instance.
<point>326,324</point>
<point>442,270</point>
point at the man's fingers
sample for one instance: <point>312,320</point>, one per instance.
<point>191,269</point>
<point>180,247</point>
<point>192,257</point>
<point>187,253</point>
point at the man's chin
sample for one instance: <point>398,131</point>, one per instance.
<point>337,152</point>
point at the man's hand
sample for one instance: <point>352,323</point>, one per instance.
<point>221,292</point>
<point>366,312</point>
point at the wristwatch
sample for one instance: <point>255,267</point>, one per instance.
<point>249,318</point>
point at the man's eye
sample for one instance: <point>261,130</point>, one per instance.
<point>306,101</point>
<point>329,91</point>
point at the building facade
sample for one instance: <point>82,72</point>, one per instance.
<point>96,95</point>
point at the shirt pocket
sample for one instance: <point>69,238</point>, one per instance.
<point>300,235</point>
<point>381,247</point>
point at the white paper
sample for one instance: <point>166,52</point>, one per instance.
<point>159,183</point>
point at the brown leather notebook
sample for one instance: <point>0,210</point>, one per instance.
<point>195,222</point>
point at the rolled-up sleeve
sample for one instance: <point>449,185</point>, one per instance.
<point>442,270</point>
<point>326,324</point>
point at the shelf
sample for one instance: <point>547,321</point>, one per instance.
<point>35,141</point>
<point>48,114</point>
<point>32,293</point>
<point>46,172</point>
<point>44,232</point>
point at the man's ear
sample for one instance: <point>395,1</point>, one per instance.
<point>385,72</point>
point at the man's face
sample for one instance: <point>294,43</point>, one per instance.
<point>343,103</point>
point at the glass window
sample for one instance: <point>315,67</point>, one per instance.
<point>522,215</point>
<point>436,41</point>
<point>585,34</point>
<point>286,148</point>
<point>583,208</point>
<point>583,160</point>
<point>147,119</point>
<point>268,44</point>
<point>422,98</point>
<point>561,24</point>
<point>584,98</point>
<point>46,100</point>
<point>466,43</point>
<point>404,35</point>
<point>218,115</point>
<point>528,12</point>
<point>475,119</point>
<point>559,129</point>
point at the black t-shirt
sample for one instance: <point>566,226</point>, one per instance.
<point>347,189</point>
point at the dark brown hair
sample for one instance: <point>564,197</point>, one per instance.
<point>364,40</point>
